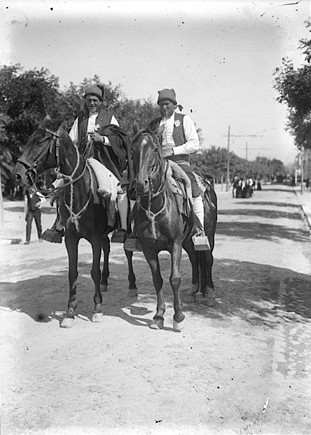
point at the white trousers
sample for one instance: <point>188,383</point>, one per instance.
<point>198,209</point>
<point>106,180</point>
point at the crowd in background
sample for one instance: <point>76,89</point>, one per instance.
<point>244,188</point>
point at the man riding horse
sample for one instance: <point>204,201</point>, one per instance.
<point>179,139</point>
<point>97,134</point>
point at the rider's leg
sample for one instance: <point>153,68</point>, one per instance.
<point>107,182</point>
<point>123,207</point>
<point>198,209</point>
<point>200,240</point>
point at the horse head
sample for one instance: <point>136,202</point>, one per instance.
<point>148,161</point>
<point>40,153</point>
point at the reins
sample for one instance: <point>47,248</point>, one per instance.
<point>69,180</point>
<point>153,195</point>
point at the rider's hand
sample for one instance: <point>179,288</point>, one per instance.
<point>167,151</point>
<point>95,137</point>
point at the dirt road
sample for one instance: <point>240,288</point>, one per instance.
<point>241,367</point>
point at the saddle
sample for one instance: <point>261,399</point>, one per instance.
<point>181,186</point>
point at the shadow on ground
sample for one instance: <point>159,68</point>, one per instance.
<point>253,292</point>
<point>253,230</point>
<point>267,214</point>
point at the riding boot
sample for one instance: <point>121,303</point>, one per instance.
<point>119,235</point>
<point>200,239</point>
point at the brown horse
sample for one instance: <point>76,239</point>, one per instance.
<point>84,218</point>
<point>161,226</point>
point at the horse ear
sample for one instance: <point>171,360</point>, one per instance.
<point>135,127</point>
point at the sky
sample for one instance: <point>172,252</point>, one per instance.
<point>219,56</point>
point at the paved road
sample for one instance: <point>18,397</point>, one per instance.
<point>243,366</point>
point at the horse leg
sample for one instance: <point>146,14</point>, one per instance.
<point>131,275</point>
<point>193,258</point>
<point>71,243</point>
<point>96,274</point>
<point>105,272</point>
<point>207,285</point>
<point>175,281</point>
<point>153,261</point>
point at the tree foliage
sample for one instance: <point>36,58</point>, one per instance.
<point>26,97</point>
<point>213,163</point>
<point>294,88</point>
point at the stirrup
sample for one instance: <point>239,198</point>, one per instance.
<point>132,244</point>
<point>200,242</point>
<point>53,235</point>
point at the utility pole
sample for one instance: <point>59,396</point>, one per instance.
<point>228,161</point>
<point>229,135</point>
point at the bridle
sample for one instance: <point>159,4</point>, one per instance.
<point>152,193</point>
<point>70,179</point>
<point>31,168</point>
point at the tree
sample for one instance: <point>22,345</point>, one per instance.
<point>294,88</point>
<point>25,98</point>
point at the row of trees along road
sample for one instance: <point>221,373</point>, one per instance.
<point>294,88</point>
<point>26,97</point>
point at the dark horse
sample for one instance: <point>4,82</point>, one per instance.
<point>85,219</point>
<point>161,226</point>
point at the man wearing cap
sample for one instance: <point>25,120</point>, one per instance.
<point>179,139</point>
<point>96,133</point>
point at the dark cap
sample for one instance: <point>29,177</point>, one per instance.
<point>167,95</point>
<point>93,90</point>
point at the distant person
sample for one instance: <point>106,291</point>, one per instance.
<point>259,185</point>
<point>307,183</point>
<point>179,139</point>
<point>235,184</point>
<point>33,201</point>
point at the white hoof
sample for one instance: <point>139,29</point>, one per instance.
<point>178,326</point>
<point>67,322</point>
<point>97,317</point>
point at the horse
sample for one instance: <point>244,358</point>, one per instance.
<point>51,147</point>
<point>160,225</point>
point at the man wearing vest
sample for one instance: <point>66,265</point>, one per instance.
<point>97,134</point>
<point>179,139</point>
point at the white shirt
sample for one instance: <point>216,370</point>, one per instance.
<point>192,143</point>
<point>90,127</point>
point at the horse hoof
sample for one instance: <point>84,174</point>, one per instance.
<point>157,324</point>
<point>67,322</point>
<point>178,326</point>
<point>97,317</point>
<point>132,293</point>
